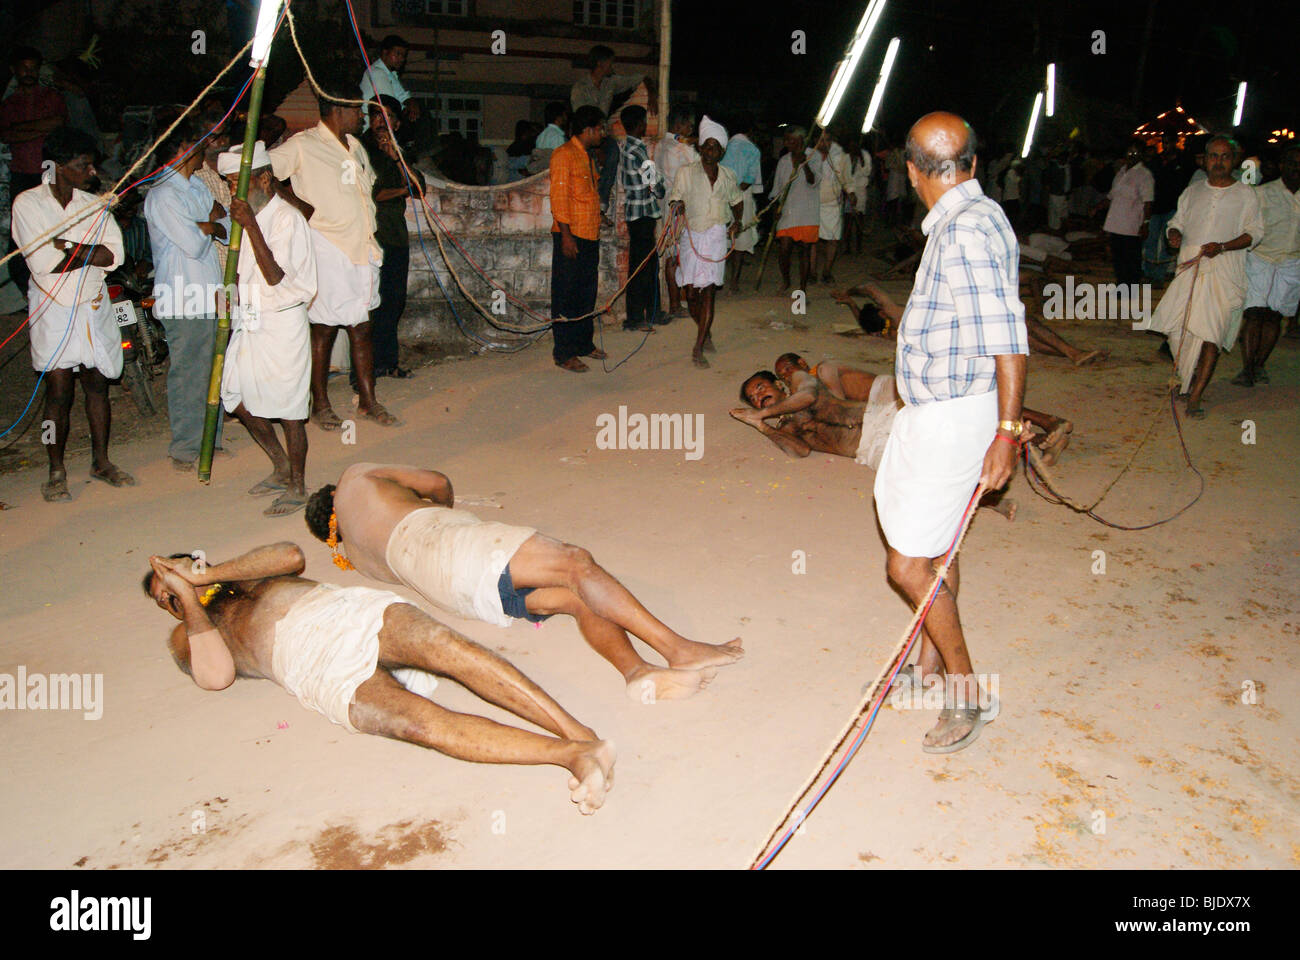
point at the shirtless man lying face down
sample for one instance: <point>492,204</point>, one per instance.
<point>342,650</point>
<point>398,524</point>
<point>850,383</point>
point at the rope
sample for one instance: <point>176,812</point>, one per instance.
<point>875,692</point>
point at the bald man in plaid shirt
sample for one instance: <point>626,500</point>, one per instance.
<point>960,370</point>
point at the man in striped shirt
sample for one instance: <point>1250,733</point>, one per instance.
<point>960,369</point>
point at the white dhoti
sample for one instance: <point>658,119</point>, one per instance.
<point>702,257</point>
<point>268,365</point>
<point>327,645</point>
<point>1217,290</point>
<point>832,221</point>
<point>64,338</point>
<point>1275,286</point>
<point>929,471</point>
<point>346,292</point>
<point>877,422</point>
<point>455,560</point>
<point>747,239</point>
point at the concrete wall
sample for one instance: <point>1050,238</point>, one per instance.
<point>507,230</point>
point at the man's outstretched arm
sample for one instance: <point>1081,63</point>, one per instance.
<point>273,560</point>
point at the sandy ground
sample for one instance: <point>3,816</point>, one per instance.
<point>1123,740</point>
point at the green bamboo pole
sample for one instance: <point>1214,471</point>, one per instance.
<point>232,267</point>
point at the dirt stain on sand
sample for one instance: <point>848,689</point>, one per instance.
<point>343,848</point>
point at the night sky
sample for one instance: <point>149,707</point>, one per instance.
<point>986,60</point>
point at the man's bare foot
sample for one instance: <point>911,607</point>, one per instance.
<point>649,684</point>
<point>291,501</point>
<point>593,776</point>
<point>55,490</point>
<point>1005,506</point>
<point>1056,442</point>
<point>698,360</point>
<point>695,655</point>
<point>1092,356</point>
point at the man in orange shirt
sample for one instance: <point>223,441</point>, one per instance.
<point>575,250</point>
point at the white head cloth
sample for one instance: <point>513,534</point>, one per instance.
<point>712,130</point>
<point>228,161</point>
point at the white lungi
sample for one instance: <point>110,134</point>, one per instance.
<point>268,365</point>
<point>454,560</point>
<point>346,292</point>
<point>747,239</point>
<point>877,422</point>
<point>832,221</point>
<point>693,270</point>
<point>64,338</point>
<point>1216,307</point>
<point>327,645</point>
<point>929,471</point>
<point>1272,285</point>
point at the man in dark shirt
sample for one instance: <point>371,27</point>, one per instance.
<point>1171,175</point>
<point>390,193</point>
<point>26,117</point>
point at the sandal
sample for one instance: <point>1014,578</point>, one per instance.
<point>113,477</point>
<point>573,365</point>
<point>700,362</point>
<point>55,490</point>
<point>956,716</point>
<point>264,488</point>
<point>285,504</point>
<point>326,419</point>
<point>380,415</point>
<point>598,354</point>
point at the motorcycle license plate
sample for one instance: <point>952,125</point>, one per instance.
<point>124,313</point>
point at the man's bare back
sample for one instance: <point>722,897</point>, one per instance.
<point>372,499</point>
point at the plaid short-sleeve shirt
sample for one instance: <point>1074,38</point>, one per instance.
<point>643,187</point>
<point>965,307</point>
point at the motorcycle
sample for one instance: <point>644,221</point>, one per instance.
<point>144,343</point>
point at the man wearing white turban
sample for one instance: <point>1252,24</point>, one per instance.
<point>709,197</point>
<point>267,375</point>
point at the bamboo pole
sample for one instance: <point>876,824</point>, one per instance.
<point>228,281</point>
<point>665,59</point>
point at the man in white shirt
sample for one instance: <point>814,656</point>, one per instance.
<point>1272,270</point>
<point>1131,194</point>
<point>555,134</point>
<point>185,224</point>
<point>331,183</point>
<point>1217,220</point>
<point>706,193</point>
<point>800,219</point>
<point>73,333</point>
<point>834,185</point>
<point>382,78</point>
<point>675,149</point>
<point>267,376</point>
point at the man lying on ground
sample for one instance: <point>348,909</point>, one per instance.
<point>399,525</point>
<point>340,651</point>
<point>883,315</point>
<point>850,383</point>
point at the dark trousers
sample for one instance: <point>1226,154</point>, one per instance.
<point>573,294</point>
<point>392,301</point>
<point>1126,257</point>
<point>643,288</point>
<point>605,184</point>
<point>18,272</point>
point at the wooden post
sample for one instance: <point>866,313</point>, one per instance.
<point>665,59</point>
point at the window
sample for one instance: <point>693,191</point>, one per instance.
<point>450,8</point>
<point>456,112</point>
<point>606,13</point>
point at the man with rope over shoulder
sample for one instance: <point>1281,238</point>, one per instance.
<point>960,369</point>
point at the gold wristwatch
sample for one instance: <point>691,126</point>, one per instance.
<point>1013,427</point>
